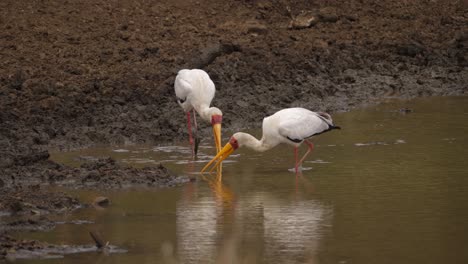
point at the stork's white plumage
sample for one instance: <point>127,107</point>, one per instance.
<point>290,126</point>
<point>195,91</point>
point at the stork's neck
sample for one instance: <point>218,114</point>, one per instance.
<point>251,142</point>
<point>207,112</point>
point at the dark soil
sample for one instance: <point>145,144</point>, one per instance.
<point>79,73</point>
<point>76,73</point>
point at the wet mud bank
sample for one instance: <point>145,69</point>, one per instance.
<point>76,74</point>
<point>25,187</point>
<point>12,249</point>
<point>28,198</point>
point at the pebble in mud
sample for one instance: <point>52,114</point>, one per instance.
<point>101,201</point>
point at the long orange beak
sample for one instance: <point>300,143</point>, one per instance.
<point>217,136</point>
<point>222,155</point>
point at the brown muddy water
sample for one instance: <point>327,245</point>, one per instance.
<point>390,187</point>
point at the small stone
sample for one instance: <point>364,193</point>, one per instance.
<point>410,50</point>
<point>405,110</point>
<point>328,14</point>
<point>35,212</point>
<point>255,27</point>
<point>101,201</point>
<point>151,50</point>
<point>49,103</point>
<point>349,79</point>
<point>124,35</point>
<point>351,17</point>
<point>303,20</point>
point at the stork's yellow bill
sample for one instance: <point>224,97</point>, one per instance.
<point>222,155</point>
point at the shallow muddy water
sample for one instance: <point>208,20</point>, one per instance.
<point>390,187</point>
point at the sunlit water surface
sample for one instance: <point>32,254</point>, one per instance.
<point>387,188</point>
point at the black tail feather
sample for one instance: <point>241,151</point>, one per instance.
<point>330,127</point>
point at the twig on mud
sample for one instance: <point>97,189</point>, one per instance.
<point>98,240</point>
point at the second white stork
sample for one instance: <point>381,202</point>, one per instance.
<point>290,126</point>
<point>195,91</point>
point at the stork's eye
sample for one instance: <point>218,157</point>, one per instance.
<point>181,101</point>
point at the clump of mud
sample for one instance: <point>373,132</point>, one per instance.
<point>9,244</point>
<point>26,197</point>
<point>23,181</point>
<point>12,249</point>
<point>106,173</point>
<point>27,180</point>
<point>35,200</point>
<point>34,169</point>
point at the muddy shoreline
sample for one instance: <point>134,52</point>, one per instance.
<point>82,73</point>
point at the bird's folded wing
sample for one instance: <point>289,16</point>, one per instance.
<point>300,127</point>
<point>182,87</point>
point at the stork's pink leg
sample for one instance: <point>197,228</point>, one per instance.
<point>311,147</point>
<point>295,159</point>
<point>189,125</point>
<point>195,121</point>
<point>195,134</point>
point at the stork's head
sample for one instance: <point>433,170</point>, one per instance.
<point>227,150</point>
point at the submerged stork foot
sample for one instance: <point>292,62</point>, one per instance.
<point>300,169</point>
<point>195,146</point>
